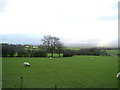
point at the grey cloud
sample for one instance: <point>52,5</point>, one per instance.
<point>85,43</point>
<point>20,39</point>
<point>36,40</point>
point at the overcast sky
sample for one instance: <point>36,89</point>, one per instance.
<point>93,22</point>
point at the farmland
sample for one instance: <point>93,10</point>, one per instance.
<point>112,51</point>
<point>65,72</point>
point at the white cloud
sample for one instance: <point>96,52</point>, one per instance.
<point>74,20</point>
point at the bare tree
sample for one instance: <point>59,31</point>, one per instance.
<point>51,43</point>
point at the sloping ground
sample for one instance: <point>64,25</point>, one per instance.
<point>70,72</point>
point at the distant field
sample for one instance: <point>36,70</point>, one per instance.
<point>112,51</point>
<point>69,72</point>
<point>73,48</point>
<point>55,54</point>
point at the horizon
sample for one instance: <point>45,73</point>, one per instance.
<point>67,46</point>
<point>28,40</point>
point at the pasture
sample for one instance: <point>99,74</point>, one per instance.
<point>65,72</point>
<point>112,52</point>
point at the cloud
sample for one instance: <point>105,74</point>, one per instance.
<point>20,39</point>
<point>114,43</point>
<point>2,5</point>
<point>74,20</point>
<point>115,5</point>
<point>109,18</point>
<point>81,43</point>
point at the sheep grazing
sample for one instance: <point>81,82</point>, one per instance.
<point>118,75</point>
<point>26,64</point>
<point>50,58</point>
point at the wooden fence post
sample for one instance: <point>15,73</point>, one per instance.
<point>55,87</point>
<point>21,83</point>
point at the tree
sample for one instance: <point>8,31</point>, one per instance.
<point>12,50</point>
<point>59,48</point>
<point>0,50</point>
<point>40,53</point>
<point>8,50</point>
<point>68,53</point>
<point>28,50</point>
<point>4,50</point>
<point>91,51</point>
<point>51,43</point>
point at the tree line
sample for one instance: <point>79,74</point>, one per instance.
<point>50,44</point>
<point>11,50</point>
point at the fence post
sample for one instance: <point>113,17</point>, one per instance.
<point>55,87</point>
<point>21,82</point>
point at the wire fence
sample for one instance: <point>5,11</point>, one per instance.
<point>19,83</point>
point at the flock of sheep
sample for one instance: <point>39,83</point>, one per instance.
<point>27,64</point>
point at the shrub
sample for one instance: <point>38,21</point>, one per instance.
<point>39,54</point>
<point>68,53</point>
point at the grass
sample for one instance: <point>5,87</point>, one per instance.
<point>69,72</point>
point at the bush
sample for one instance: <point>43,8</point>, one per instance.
<point>22,54</point>
<point>39,54</point>
<point>91,51</point>
<point>68,53</point>
<point>8,50</point>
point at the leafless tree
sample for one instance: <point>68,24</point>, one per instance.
<point>51,43</point>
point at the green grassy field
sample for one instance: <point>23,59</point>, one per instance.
<point>69,72</point>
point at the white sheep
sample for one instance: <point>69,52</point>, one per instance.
<point>26,64</point>
<point>118,75</point>
<point>50,58</point>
